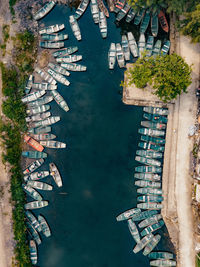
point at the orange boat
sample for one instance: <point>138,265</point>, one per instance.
<point>32,142</point>
<point>163,21</point>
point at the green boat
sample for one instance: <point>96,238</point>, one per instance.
<point>150,198</point>
<point>155,140</point>
<point>29,84</point>
<point>157,48</point>
<point>147,176</point>
<point>39,109</point>
<point>154,227</point>
<point>153,125</point>
<point>44,226</point>
<point>141,44</point>
<point>161,262</point>
<point>152,184</point>
<point>34,154</point>
<point>150,146</point>
<point>150,206</point>
<point>143,242</point>
<point>59,77</point>
<point>51,45</point>
<point>33,233</point>
<point>40,130</point>
<point>54,37</point>
<point>39,102</point>
<point>149,46</point>
<point>33,252</point>
<point>148,161</point>
<point>146,190</point>
<point>133,230</point>
<point>151,132</point>
<point>157,111</point>
<point>165,48</point>
<point>66,51</point>
<point>44,10</point>
<point>139,16</point>
<point>52,29</point>
<point>161,255</point>
<point>36,204</point>
<point>145,22</point>
<point>34,222</point>
<point>59,69</point>
<point>128,214</point>
<point>151,245</point>
<point>151,220</point>
<point>149,154</point>
<point>154,24</point>
<point>31,192</point>
<point>60,100</point>
<point>143,215</point>
<point>40,185</point>
<point>122,13</point>
<point>130,16</point>
<point>155,118</point>
<point>73,67</point>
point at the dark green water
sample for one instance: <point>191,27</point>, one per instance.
<point>97,166</point>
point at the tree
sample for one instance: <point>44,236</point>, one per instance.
<point>169,75</point>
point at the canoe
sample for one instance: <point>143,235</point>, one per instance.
<point>157,111</point>
<point>40,130</point>
<point>31,192</point>
<point>155,118</point>
<point>75,27</point>
<point>145,22</point>
<point>151,132</point>
<point>153,125</point>
<point>94,10</point>
<point>141,44</point>
<point>161,255</point>
<point>162,262</point>
<point>59,77</point>
<point>112,56</point>
<point>29,84</point>
<point>132,44</point>
<point>73,67</point>
<point>54,37</point>
<point>33,252</point>
<point>33,96</point>
<point>103,25</point>
<point>40,185</point>
<point>33,166</point>
<point>34,154</point>
<point>128,214</point>
<point>60,101</point>
<point>103,8</point>
<point>44,86</point>
<point>130,16</point>
<point>66,51</point>
<point>120,56</point>
<point>36,204</point>
<point>122,12</point>
<point>69,59</point>
<point>34,234</point>
<point>165,48</point>
<point>52,29</point>
<point>53,144</point>
<point>149,206</point>
<point>33,143</point>
<point>150,146</point>
<point>45,136</point>
<point>155,140</point>
<point>39,102</point>
<point>151,245</point>
<point>149,46</point>
<point>51,45</point>
<point>44,226</point>
<point>150,220</point>
<point>143,215</point>
<point>149,154</point>
<point>119,5</point>
<point>55,174</point>
<point>148,161</point>
<point>154,24</point>
<point>163,21</point>
<point>154,227</point>
<point>151,169</point>
<point>45,76</point>
<point>143,242</point>
<point>36,110</point>
<point>34,222</point>
<point>133,230</point>
<point>154,191</point>
<point>125,47</point>
<point>46,122</point>
<point>145,183</point>
<point>147,176</point>
<point>139,16</point>
<point>157,48</point>
<point>81,9</point>
<point>36,175</point>
<point>44,10</point>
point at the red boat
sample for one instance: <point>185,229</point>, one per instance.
<point>163,21</point>
<point>32,142</point>
<point>119,5</point>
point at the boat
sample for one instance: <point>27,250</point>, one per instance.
<point>33,166</point>
<point>34,234</point>
<point>36,175</point>
<point>128,214</point>
<point>154,24</point>
<point>153,227</point>
<point>54,37</point>
<point>36,204</point>
<point>151,132</point>
<point>46,122</point>
<point>34,154</point>
<point>33,96</point>
<point>31,192</point>
<point>125,47</point>
<point>153,191</point>
<point>157,111</point>
<point>150,198</point>
<point>130,16</point>
<point>94,10</point>
<point>147,176</point>
<point>141,44</point>
<point>152,184</point>
<point>148,161</point>
<point>143,242</point>
<point>52,29</point>
<point>66,51</point>
<point>161,255</point>
<point>45,76</point>
<point>38,117</point>
<point>150,220</point>
<point>102,25</point>
<point>153,125</point>
<point>162,262</point>
<point>165,48</point>
<point>149,154</point>
<point>119,5</point>
<point>45,228</point>
<point>157,48</point>
<point>59,77</point>
<point>150,206</point>
<point>112,56</point>
<point>44,86</point>
<point>81,8</point>
<point>102,8</point>
<point>40,130</point>
<point>133,230</point>
<point>163,21</point>
<point>41,101</point>
<point>58,69</point>
<point>44,10</point>
<point>151,245</point>
<point>34,222</point>
<point>30,141</point>
<point>29,84</point>
<point>155,118</point>
<point>143,215</point>
<point>150,146</point>
<point>40,185</point>
<point>122,12</point>
<point>149,46</point>
<point>139,16</point>
<point>69,59</point>
<point>145,22</point>
<point>45,136</point>
<point>51,45</point>
<point>73,67</point>
<point>33,252</point>
<point>60,101</point>
<point>55,174</point>
<point>75,28</point>
<point>132,44</point>
<point>120,56</point>
<point>53,144</point>
<point>148,169</point>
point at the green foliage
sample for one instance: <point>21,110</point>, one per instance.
<point>5,32</point>
<point>11,4</point>
<point>168,75</point>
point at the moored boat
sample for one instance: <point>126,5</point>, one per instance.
<point>155,118</point>
<point>148,161</point>
<point>128,214</point>
<point>73,67</point>
<point>54,37</point>
<point>130,16</point>
<point>33,252</point>
<point>52,29</point>
<point>143,242</point>
<point>55,174</point>
<point>150,146</point>
<point>157,48</point>
<point>40,130</point>
<point>46,122</point>
<point>154,24</point>
<point>53,144</point>
<point>59,69</point>
<point>151,245</point>
<point>34,234</point>
<point>44,225</point>
<point>103,25</point>
<point>33,96</point>
<point>30,141</point>
<point>45,76</point>
<point>152,184</point>
<point>34,222</point>
<point>165,48</point>
<point>33,166</point>
<point>150,198</point>
<point>94,10</point>
<point>161,255</point>
<point>40,185</point>
<point>133,230</point>
<point>154,227</point>
<point>69,59</point>
<point>151,132</point>
<point>145,22</point>
<point>151,169</point>
<point>34,154</point>
<point>66,51</point>
<point>149,46</point>
<point>36,204</point>
<point>41,101</point>
<point>59,77</point>
<point>44,86</point>
<point>81,8</point>
<point>139,16</point>
<point>36,175</point>
<point>146,190</point>
<point>141,44</point>
<point>162,262</point>
<point>143,215</point>
<point>51,45</point>
<point>149,206</point>
<point>44,10</point>
<point>150,220</point>
<point>157,111</point>
<point>153,125</point>
<point>45,136</point>
<point>119,5</point>
<point>31,192</point>
<point>29,84</point>
<point>147,176</point>
<point>60,101</point>
<point>132,44</point>
<point>163,21</point>
<point>125,47</point>
<point>102,8</point>
<point>120,56</point>
<point>149,154</point>
<point>75,28</point>
<point>112,56</point>
<point>122,12</point>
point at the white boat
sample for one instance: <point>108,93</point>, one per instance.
<point>40,185</point>
<point>112,56</point>
<point>33,96</point>
<point>39,109</point>
<point>51,45</point>
<point>55,174</point>
<point>45,76</point>
<point>141,44</point>
<point>46,122</point>
<point>65,51</point>
<point>81,8</point>
<point>29,84</point>
<point>55,37</point>
<point>73,67</point>
<point>38,117</point>
<point>58,69</point>
<point>53,144</point>
<point>44,86</point>
<point>59,77</point>
<point>44,10</point>
<point>52,29</point>
<point>75,28</point>
<point>94,10</point>
<point>36,175</point>
<point>36,204</point>
<point>132,44</point>
<point>69,59</point>
<point>125,47</point>
<point>44,136</point>
<point>120,56</point>
<point>60,100</point>
<point>103,24</point>
<point>40,101</point>
<point>44,226</point>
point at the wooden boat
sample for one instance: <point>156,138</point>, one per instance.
<point>45,228</point>
<point>149,46</point>
<point>55,174</point>
<point>44,86</point>
<point>125,47</point>
<point>39,109</point>
<point>119,5</point>
<point>40,130</point>
<point>151,132</point>
<point>31,192</point>
<point>149,154</point>
<point>149,206</point>
<point>154,191</point>
<point>162,262</point>
<point>94,10</point>
<point>66,51</point>
<point>112,56</point>
<point>128,214</point>
<point>54,37</point>
<point>36,204</point>
<point>132,44</point>
<point>155,140</point>
<point>52,29</point>
<point>139,16</point>
<point>157,111</point>
<point>33,96</point>
<point>161,255</point>
<point>32,219</point>
<point>103,8</point>
<point>141,44</point>
<point>143,242</point>
<point>38,117</point>
<point>120,56</point>
<point>34,234</point>
<point>150,220</point>
<point>151,245</point>
<point>39,102</point>
<point>150,146</point>
<point>155,118</point>
<point>147,176</point>
<point>36,175</point>
<point>145,22</point>
<point>133,230</point>
<point>33,252</point>
<point>75,28</point>
<point>69,59</point>
<point>144,183</point>
<point>53,144</point>
<point>143,215</point>
<point>154,24</point>
<point>40,185</point>
<point>165,48</point>
<point>33,166</point>
<point>46,122</point>
<point>30,141</point>
<point>157,48</point>
<point>163,21</point>
<point>60,101</point>
<point>44,10</point>
<point>45,136</point>
<point>153,125</point>
<point>151,169</point>
<point>81,9</point>
<point>130,16</point>
<point>34,154</point>
<point>149,229</point>
<point>29,84</point>
<point>102,25</point>
<point>122,13</point>
<point>51,45</point>
<point>73,67</point>
<point>59,77</point>
<point>148,161</point>
<point>45,76</point>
